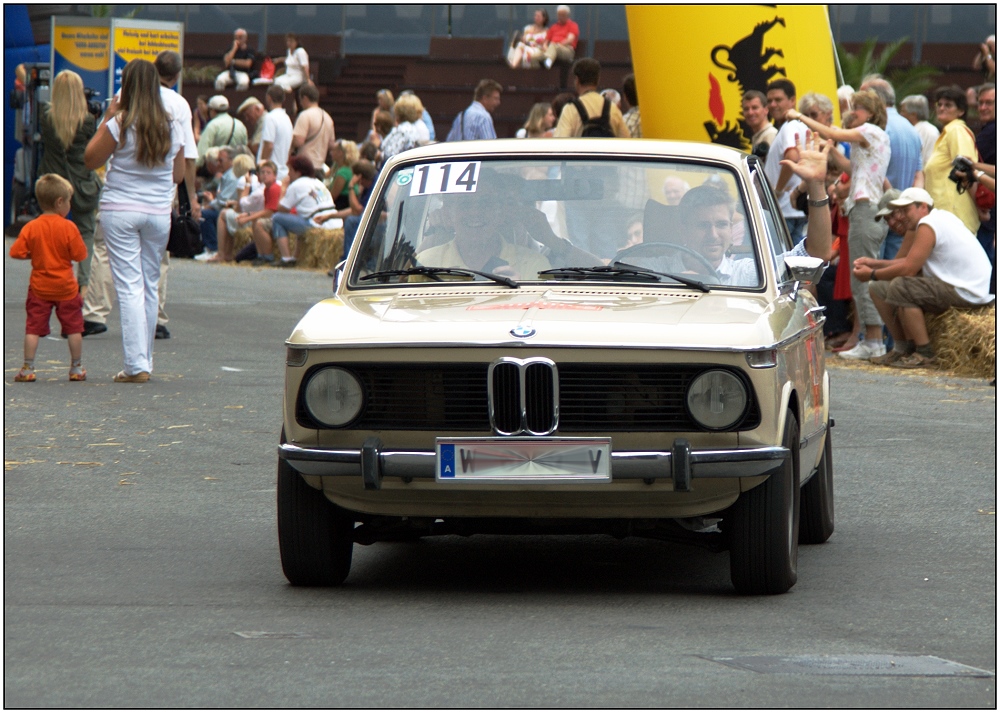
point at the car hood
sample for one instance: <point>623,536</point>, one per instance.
<point>559,317</point>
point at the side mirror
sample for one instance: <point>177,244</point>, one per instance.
<point>338,274</point>
<point>805,270</point>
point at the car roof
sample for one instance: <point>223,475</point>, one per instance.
<point>647,148</point>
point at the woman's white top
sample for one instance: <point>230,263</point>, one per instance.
<point>295,62</point>
<point>307,196</point>
<point>130,185</point>
<point>868,166</point>
<point>254,201</point>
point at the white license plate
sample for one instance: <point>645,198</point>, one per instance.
<point>529,460</point>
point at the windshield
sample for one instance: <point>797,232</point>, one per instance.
<point>529,220</point>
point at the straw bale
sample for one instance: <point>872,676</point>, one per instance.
<point>965,341</point>
<point>322,248</point>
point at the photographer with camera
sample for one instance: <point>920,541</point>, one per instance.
<point>67,125</point>
<point>946,188</point>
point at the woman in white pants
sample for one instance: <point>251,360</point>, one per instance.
<point>296,65</point>
<point>143,144</point>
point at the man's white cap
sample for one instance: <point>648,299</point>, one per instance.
<point>564,7</point>
<point>219,103</point>
<point>912,195</point>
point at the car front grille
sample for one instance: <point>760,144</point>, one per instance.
<point>579,398</point>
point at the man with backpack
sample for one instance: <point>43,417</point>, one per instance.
<point>590,114</point>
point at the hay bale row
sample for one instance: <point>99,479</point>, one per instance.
<point>322,249</point>
<point>965,341</point>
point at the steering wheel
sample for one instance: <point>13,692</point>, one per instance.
<point>659,249</point>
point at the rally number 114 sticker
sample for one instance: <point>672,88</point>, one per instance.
<point>453,177</point>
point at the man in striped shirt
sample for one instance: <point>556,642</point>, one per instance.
<point>476,121</point>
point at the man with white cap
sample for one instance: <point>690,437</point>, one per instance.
<point>562,37</point>
<point>939,265</point>
<point>250,113</point>
<point>222,129</point>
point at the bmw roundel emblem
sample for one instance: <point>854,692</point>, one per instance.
<point>522,332</point>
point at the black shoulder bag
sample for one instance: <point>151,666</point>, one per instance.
<point>185,232</point>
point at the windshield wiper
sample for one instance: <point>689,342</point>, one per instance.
<point>599,272</point>
<point>619,271</point>
<point>697,284</point>
<point>434,273</point>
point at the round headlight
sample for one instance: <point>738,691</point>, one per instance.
<point>717,399</point>
<point>334,396</point>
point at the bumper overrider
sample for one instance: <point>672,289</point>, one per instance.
<point>373,461</point>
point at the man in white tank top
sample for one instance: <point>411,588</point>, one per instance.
<point>939,266</point>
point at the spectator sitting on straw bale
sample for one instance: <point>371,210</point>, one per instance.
<point>308,197</point>
<point>939,266</point>
<point>231,221</point>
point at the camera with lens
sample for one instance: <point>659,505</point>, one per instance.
<point>93,105</point>
<point>961,173</point>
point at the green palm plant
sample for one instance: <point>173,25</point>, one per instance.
<point>916,79</point>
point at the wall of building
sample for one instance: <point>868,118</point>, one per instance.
<point>406,29</point>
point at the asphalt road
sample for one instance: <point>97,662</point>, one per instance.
<point>141,559</point>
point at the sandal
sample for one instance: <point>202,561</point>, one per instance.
<point>27,373</point>
<point>141,378</point>
<point>77,373</point>
<point>838,340</point>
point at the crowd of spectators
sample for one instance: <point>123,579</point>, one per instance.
<point>912,202</point>
<point>279,175</point>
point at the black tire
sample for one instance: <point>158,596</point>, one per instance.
<point>763,528</point>
<point>315,536</point>
<point>816,524</point>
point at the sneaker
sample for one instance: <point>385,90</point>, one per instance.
<point>122,378</point>
<point>286,263</point>
<point>915,360</point>
<point>548,63</point>
<point>887,359</point>
<point>162,332</point>
<point>205,256</point>
<point>93,328</point>
<point>27,373</point>
<point>77,373</point>
<point>863,351</point>
<point>261,261</point>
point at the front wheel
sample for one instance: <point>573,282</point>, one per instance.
<point>817,500</point>
<point>315,537</point>
<point>764,527</point>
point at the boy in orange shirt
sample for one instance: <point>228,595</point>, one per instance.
<point>52,243</point>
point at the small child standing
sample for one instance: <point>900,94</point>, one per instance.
<point>52,243</point>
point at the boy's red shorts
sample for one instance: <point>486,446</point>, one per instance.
<point>69,313</point>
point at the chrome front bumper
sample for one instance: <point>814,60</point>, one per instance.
<point>681,464</point>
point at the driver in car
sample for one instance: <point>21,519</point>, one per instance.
<point>707,213</point>
<point>479,243</point>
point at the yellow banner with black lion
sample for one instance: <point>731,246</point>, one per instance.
<point>694,62</point>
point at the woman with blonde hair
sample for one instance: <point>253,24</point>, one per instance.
<point>66,128</point>
<point>540,121</point>
<point>869,161</point>
<point>135,206</point>
<point>345,154</point>
<point>409,129</point>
